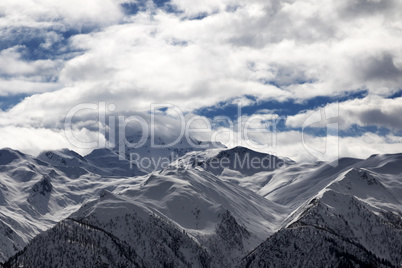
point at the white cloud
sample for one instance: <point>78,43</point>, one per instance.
<point>271,50</point>
<point>311,148</point>
<point>12,64</point>
<point>45,13</point>
<point>21,76</point>
<point>369,111</point>
<point>261,136</point>
<point>24,86</point>
<point>35,140</point>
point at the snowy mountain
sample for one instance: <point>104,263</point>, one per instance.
<point>157,152</point>
<point>235,161</point>
<point>103,162</point>
<point>113,231</point>
<point>212,207</point>
<point>38,192</point>
<point>354,222</point>
<point>220,218</point>
<point>212,211</point>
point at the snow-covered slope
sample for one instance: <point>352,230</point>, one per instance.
<point>225,219</point>
<point>207,208</point>
<point>36,193</point>
<point>103,162</point>
<point>200,203</point>
<point>195,218</point>
<point>157,153</point>
<point>20,192</point>
<point>291,185</point>
<point>113,231</point>
<point>354,221</point>
<point>235,161</point>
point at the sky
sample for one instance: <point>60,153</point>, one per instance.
<point>309,79</point>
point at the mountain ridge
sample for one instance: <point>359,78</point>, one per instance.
<point>233,212</point>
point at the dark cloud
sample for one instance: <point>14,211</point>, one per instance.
<point>356,8</point>
<point>366,112</point>
<point>377,117</point>
<point>381,69</point>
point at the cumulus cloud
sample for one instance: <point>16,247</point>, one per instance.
<point>35,140</point>
<point>369,111</point>
<point>257,132</point>
<point>73,52</point>
<point>20,76</point>
<point>33,35</point>
<point>44,13</point>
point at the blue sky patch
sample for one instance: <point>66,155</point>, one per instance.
<point>7,102</point>
<point>286,108</point>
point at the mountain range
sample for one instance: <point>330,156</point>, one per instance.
<point>209,207</point>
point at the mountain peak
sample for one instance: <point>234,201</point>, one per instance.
<point>64,157</point>
<point>8,155</point>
